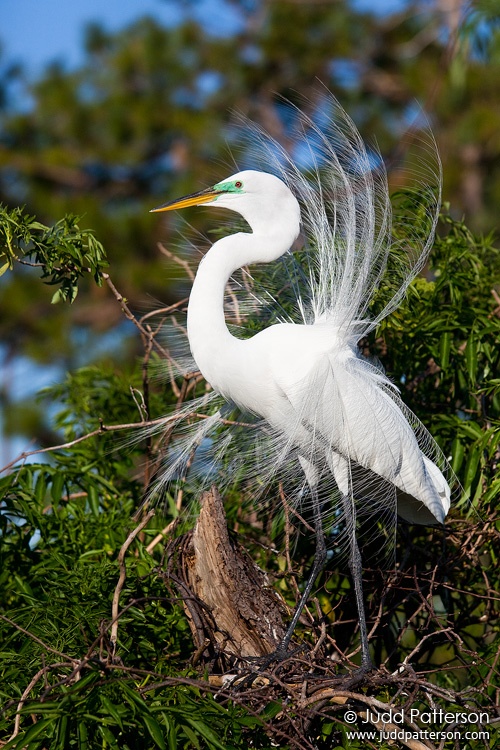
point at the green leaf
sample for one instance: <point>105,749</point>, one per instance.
<point>471,359</point>
<point>57,487</point>
<point>112,710</point>
<point>171,731</point>
<point>190,735</point>
<point>457,452</point>
<point>271,710</point>
<point>444,349</point>
<point>108,736</point>
<point>62,733</point>
<point>32,734</point>
<point>93,498</point>
<point>154,730</point>
<point>82,736</point>
<point>471,429</point>
<point>471,467</point>
<point>207,733</point>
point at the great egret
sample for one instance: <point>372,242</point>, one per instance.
<point>330,408</point>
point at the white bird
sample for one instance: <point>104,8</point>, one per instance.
<point>331,409</point>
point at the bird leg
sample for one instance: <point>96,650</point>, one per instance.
<point>355,568</point>
<point>318,564</point>
<point>319,561</point>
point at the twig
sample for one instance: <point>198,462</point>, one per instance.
<point>145,333</point>
<point>103,428</point>
<point>123,574</point>
<point>38,640</point>
<point>139,400</point>
<point>40,673</point>
<point>234,300</point>
<point>496,311</point>
<point>163,533</point>
<point>175,258</point>
<point>288,526</point>
<point>163,310</point>
<point>322,638</point>
<point>417,648</point>
<point>283,499</point>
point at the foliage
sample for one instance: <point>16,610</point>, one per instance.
<point>62,526</point>
<point>64,522</point>
<point>63,252</point>
<point>65,574</point>
<point>441,345</point>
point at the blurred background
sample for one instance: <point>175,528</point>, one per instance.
<point>108,109</point>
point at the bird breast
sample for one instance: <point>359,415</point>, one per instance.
<point>266,374</point>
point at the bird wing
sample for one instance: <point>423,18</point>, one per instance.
<point>357,423</point>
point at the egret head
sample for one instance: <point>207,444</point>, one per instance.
<point>262,199</point>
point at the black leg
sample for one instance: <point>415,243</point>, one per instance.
<point>318,564</point>
<point>356,573</point>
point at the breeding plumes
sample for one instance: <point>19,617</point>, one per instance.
<point>328,422</point>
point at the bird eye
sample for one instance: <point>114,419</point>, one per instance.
<point>238,184</point>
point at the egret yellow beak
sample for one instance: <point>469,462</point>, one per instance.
<point>194,199</point>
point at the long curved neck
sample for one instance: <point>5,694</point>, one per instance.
<point>208,335</point>
<point>206,320</point>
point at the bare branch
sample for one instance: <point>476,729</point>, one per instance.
<point>123,574</point>
<point>175,258</point>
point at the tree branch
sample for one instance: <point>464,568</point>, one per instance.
<point>123,574</point>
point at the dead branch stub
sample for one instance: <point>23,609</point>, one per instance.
<point>246,610</point>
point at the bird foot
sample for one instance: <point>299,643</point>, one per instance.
<point>359,675</point>
<point>261,664</point>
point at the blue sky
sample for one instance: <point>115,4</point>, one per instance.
<point>36,32</point>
